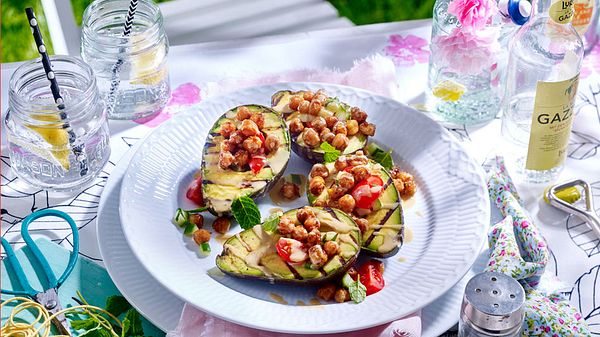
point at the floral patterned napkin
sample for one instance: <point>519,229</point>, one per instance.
<point>519,250</point>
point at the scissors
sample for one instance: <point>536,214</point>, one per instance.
<point>48,297</point>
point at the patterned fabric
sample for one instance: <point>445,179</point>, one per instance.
<point>519,250</point>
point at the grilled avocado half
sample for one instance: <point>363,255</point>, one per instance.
<point>220,187</point>
<point>251,254</point>
<point>333,107</point>
<point>385,234</point>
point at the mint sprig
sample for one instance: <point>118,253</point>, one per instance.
<point>380,156</point>
<point>357,290</point>
<point>245,212</point>
<point>331,154</point>
<point>271,222</point>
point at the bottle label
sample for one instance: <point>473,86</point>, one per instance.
<point>551,124</point>
<point>583,15</point>
<point>561,11</point>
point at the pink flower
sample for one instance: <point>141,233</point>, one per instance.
<point>467,51</point>
<point>407,50</point>
<point>473,13</point>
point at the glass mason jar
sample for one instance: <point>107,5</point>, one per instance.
<point>50,148</point>
<point>464,82</point>
<point>585,22</point>
<point>141,57</point>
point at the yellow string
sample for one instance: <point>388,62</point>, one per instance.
<point>41,325</point>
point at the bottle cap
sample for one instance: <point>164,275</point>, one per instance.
<point>494,302</point>
<point>519,11</point>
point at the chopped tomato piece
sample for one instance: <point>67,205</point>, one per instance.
<point>291,250</point>
<point>194,191</point>
<point>371,277</point>
<point>257,163</point>
<point>367,191</point>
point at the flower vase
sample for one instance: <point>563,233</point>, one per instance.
<point>464,78</point>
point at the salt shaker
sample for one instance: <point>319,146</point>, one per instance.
<point>492,306</point>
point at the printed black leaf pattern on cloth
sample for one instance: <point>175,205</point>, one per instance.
<point>586,297</point>
<point>460,132</point>
<point>579,231</point>
<point>582,146</point>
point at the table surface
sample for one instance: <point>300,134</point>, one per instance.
<point>575,258</point>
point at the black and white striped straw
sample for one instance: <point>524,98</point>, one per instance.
<point>78,151</point>
<point>116,69</point>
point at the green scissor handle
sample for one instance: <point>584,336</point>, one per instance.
<point>52,281</point>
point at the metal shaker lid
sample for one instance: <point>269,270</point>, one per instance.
<point>493,301</point>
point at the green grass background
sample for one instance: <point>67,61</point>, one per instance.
<point>17,43</point>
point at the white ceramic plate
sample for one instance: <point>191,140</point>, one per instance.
<point>163,308</point>
<point>448,221</point>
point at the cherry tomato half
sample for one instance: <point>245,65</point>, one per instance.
<point>194,191</point>
<point>290,250</point>
<point>367,191</point>
<point>371,277</point>
<point>257,163</point>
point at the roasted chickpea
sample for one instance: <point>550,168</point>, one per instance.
<point>358,160</point>
<point>295,102</point>
<point>340,128</point>
<point>360,172</point>
<point>249,128</point>
<point>308,95</point>
<point>304,213</point>
<point>358,115</point>
<point>340,141</point>
<point>335,193</point>
<point>241,158</point>
<point>227,146</point>
<point>347,203</point>
<point>272,143</point>
<point>318,124</point>
<point>314,238</point>
<point>197,219</point>
<point>345,180</point>
<point>227,129</point>
<point>331,120</point>
<point>317,255</point>
<point>201,236</point>
<point>221,225</point>
<point>326,292</point>
<point>328,137</point>
<point>315,108</point>
<point>312,223</point>
<point>410,188</point>
<point>316,185</point>
<point>323,132</point>
<point>290,191</point>
<point>331,248</point>
<point>236,138</point>
<point>363,224</point>
<point>341,163</point>
<point>319,170</point>
<point>243,113</point>
<point>296,126</point>
<point>226,159</point>
<point>367,128</point>
<point>342,295</point>
<point>252,144</point>
<point>405,176</point>
<point>311,137</point>
<point>299,233</point>
<point>352,127</point>
<point>320,97</point>
<point>399,185</point>
<point>304,107</point>
<point>285,226</point>
<point>259,119</point>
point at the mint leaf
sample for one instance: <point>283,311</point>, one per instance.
<point>83,324</point>
<point>117,305</point>
<point>245,212</point>
<point>271,222</point>
<point>98,331</point>
<point>358,292</point>
<point>331,154</point>
<point>132,324</point>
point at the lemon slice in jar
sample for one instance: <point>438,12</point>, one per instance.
<point>145,65</point>
<point>449,90</point>
<point>54,135</point>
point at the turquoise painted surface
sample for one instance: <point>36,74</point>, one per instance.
<point>88,277</point>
